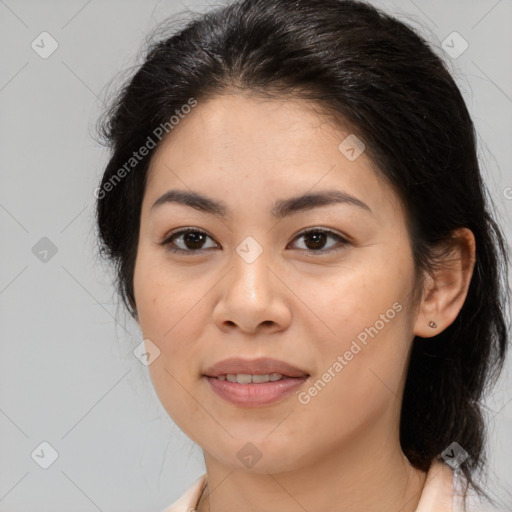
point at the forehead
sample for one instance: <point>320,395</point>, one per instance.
<point>240,148</point>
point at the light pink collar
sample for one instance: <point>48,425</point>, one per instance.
<point>437,494</point>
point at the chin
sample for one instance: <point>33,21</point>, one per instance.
<point>257,456</point>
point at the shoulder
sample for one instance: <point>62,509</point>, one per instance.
<point>188,500</point>
<point>437,494</point>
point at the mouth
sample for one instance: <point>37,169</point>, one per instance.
<point>256,382</point>
<point>261,367</point>
<point>247,378</point>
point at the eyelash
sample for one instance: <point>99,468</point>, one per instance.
<point>168,240</point>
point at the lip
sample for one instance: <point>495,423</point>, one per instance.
<point>259,366</point>
<point>255,394</point>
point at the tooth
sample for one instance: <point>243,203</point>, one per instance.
<point>246,378</point>
<point>260,378</point>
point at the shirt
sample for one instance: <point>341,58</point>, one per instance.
<point>439,494</point>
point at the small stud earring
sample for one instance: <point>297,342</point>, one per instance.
<point>432,324</point>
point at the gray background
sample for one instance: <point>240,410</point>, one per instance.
<point>68,373</point>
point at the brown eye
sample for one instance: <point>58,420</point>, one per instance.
<point>317,238</point>
<point>192,240</point>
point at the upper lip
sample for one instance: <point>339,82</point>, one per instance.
<point>259,366</point>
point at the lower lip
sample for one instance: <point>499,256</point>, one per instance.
<point>252,394</point>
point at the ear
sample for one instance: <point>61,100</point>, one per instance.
<point>446,289</point>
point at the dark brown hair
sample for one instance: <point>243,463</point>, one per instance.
<point>378,75</point>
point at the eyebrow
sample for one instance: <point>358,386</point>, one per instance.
<point>282,207</point>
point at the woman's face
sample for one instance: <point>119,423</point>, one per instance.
<point>335,303</point>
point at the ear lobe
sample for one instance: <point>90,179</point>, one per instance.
<point>446,289</point>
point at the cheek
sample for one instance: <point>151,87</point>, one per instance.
<point>366,310</point>
<point>373,294</point>
<point>168,317</point>
<point>160,297</point>
<point>172,313</point>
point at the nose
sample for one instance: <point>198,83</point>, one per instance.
<point>252,297</point>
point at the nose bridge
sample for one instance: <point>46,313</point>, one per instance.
<point>251,293</point>
<point>251,274</point>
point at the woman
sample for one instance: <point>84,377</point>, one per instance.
<point>299,225</point>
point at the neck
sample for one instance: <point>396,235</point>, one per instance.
<point>373,475</point>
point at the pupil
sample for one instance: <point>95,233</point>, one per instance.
<point>193,238</point>
<point>319,242</point>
